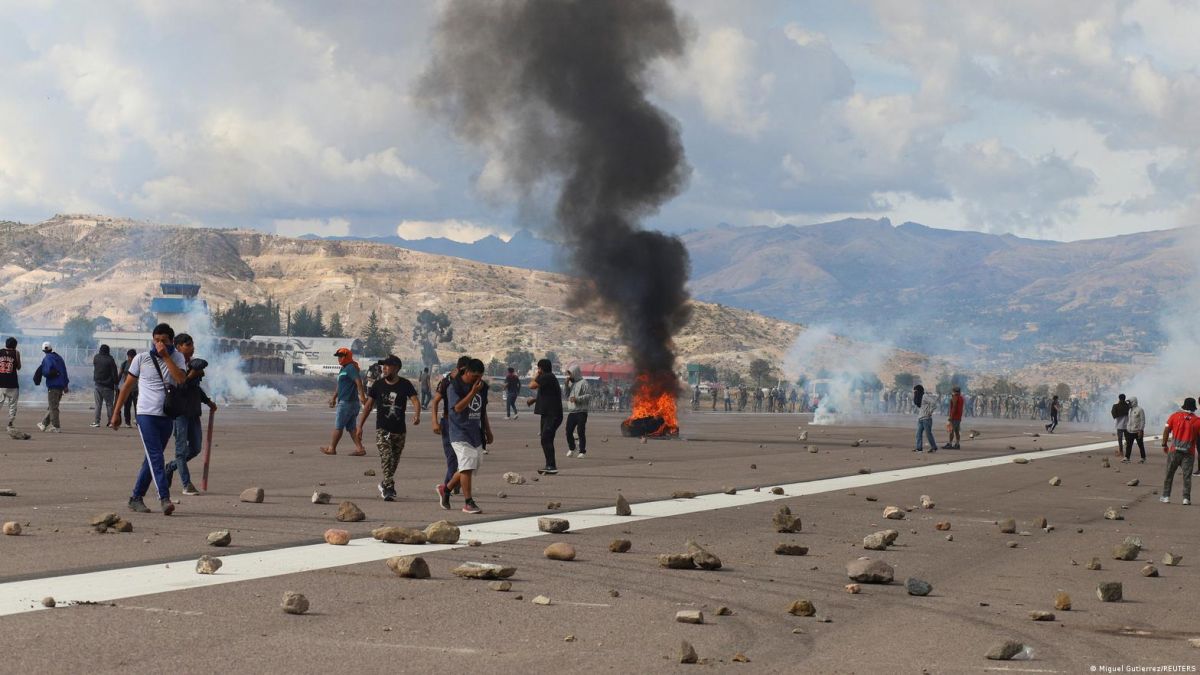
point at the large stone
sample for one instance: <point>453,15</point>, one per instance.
<point>1040,523</point>
<point>1041,615</point>
<point>1094,564</point>
<point>802,608</point>
<point>321,498</point>
<point>942,525</point>
<point>703,559</point>
<point>553,525</point>
<point>1008,526</point>
<point>784,522</point>
<point>348,512</point>
<point>1171,560</point>
<point>676,561</point>
<point>337,537</point>
<point>502,586</point>
<point>689,616</point>
<point>916,586</point>
<point>927,502</point>
<point>623,506</point>
<point>1005,650</point>
<point>409,566</point>
<point>514,478</point>
<point>687,653</point>
<point>893,513</point>
<point>399,535</point>
<point>12,528</point>
<point>252,495</point>
<point>219,538</point>
<point>540,600</point>
<point>104,519</point>
<point>1136,541</point>
<point>294,603</point>
<point>1055,481</point>
<point>1113,514</point>
<point>889,536</point>
<point>442,532</point>
<point>1062,601</point>
<point>876,541</point>
<point>560,551</point>
<point>476,570</point>
<point>1109,591</point>
<point>1126,551</point>
<point>208,565</point>
<point>18,435</point>
<point>1149,570</point>
<point>620,546</point>
<point>784,548</point>
<point>122,525</point>
<point>867,571</point>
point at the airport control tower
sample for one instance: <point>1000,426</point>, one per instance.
<point>175,303</point>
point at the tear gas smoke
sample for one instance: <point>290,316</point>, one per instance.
<point>555,91</point>
<point>848,366</point>
<point>224,379</point>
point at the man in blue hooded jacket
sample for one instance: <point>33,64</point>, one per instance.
<point>54,371</point>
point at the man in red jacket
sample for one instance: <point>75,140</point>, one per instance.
<point>955,419</point>
<point>1179,442</point>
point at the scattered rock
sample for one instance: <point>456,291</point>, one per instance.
<point>503,586</point>
<point>620,546</point>
<point>17,435</point>
<point>1011,544</point>
<point>476,570</point>
<point>949,537</point>
<point>252,495</point>
<point>474,542</point>
<point>1020,460</point>
<point>369,472</point>
<point>916,586</point>
<point>294,603</point>
<point>614,593</point>
<point>871,498</point>
<point>1104,463</point>
<point>676,561</point>
<point>812,449</point>
<point>784,521</point>
<point>1005,650</point>
<point>689,616</point>
<point>1008,526</point>
<point>776,490</point>
<point>409,566</point>
<point>398,535</point>
<point>753,466</point>
<point>729,490</point>
<point>442,532</point>
<point>927,502</point>
<point>219,538</point>
<point>1062,601</point>
<point>553,525</point>
<point>854,444</point>
<point>1149,570</point>
<point>121,525</point>
<point>514,478</point>
<point>337,537</point>
<point>1136,541</point>
<point>724,611</point>
<point>683,494</point>
<point>553,505</point>
<point>853,589</point>
<point>863,471</point>
<point>1094,564</point>
<point>1109,591</point>
<point>867,571</point>
<point>104,520</point>
<point>875,542</point>
<point>790,549</point>
<point>1171,560</point>
<point>623,506</point>
<point>893,513</point>
<point>47,601</point>
<point>560,551</point>
<point>348,512</point>
<point>569,638</point>
<point>802,608</point>
<point>687,653</point>
<point>541,600</point>
<point>942,525</point>
<point>1055,481</point>
<point>703,559</point>
<point>321,497</point>
<point>1133,483</point>
<point>1039,615</point>
<point>12,528</point>
<point>208,565</point>
<point>1040,523</point>
<point>740,658</point>
<point>501,495</point>
<point>1126,551</point>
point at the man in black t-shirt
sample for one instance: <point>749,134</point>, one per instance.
<point>549,405</point>
<point>10,363</point>
<point>512,389</point>
<point>392,394</point>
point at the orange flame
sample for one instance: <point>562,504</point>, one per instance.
<point>654,396</point>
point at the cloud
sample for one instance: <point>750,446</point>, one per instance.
<point>456,230</point>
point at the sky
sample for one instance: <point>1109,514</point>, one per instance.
<point>1062,120</point>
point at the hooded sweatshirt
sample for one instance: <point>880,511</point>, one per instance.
<point>1137,417</point>
<point>580,391</point>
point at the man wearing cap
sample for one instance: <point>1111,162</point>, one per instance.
<point>392,394</point>
<point>1179,442</point>
<point>54,371</point>
<point>347,400</point>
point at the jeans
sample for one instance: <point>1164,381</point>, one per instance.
<point>1120,440</point>
<point>451,458</point>
<point>577,422</point>
<point>188,440</point>
<point>155,431</point>
<point>1130,438</point>
<point>53,398</point>
<point>426,396</point>
<point>130,407</point>
<point>105,396</point>
<point>925,425</point>
<point>510,405</point>
<point>1179,460</point>
<point>1054,425</point>
<point>11,396</point>
<point>550,425</point>
<point>347,416</point>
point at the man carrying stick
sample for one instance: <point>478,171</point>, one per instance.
<point>188,436</point>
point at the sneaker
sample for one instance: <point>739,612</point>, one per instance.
<point>549,471</point>
<point>1187,502</point>
<point>54,430</point>
<point>190,490</point>
<point>471,507</point>
<point>581,455</point>
<point>485,451</point>
<point>918,449</point>
<point>955,447</point>
<point>94,425</point>
<point>570,453</point>
<point>41,427</point>
<point>388,493</point>
<point>1165,500</point>
<point>168,507</point>
<point>136,504</point>
<point>1125,461</point>
<point>443,497</point>
<point>933,448</point>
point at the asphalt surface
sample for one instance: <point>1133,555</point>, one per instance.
<point>364,619</point>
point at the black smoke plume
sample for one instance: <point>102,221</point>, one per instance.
<point>556,91</point>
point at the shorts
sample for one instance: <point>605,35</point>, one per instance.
<point>955,424</point>
<point>467,454</point>
<point>347,416</point>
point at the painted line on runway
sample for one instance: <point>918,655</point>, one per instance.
<point>116,584</point>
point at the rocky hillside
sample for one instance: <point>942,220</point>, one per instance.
<point>111,267</point>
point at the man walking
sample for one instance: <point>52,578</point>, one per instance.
<point>441,419</point>
<point>54,371</point>
<point>189,437</point>
<point>104,377</point>
<point>512,389</point>
<point>548,402</point>
<point>1120,413</point>
<point>133,392</point>
<point>469,430</point>
<point>426,390</point>
<point>578,398</point>
<point>1179,442</point>
<point>1135,431</point>
<point>955,415</point>
<point>925,406</point>
<point>393,394</point>
<point>10,363</point>
<point>347,400</point>
<point>1054,418</point>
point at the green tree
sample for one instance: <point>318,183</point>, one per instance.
<point>242,319</point>
<point>306,323</point>
<point>707,372</point>
<point>431,329</point>
<point>760,371</point>
<point>1063,391</point>
<point>520,360</point>
<point>335,326</point>
<point>379,340</point>
<point>80,332</point>
<point>903,381</point>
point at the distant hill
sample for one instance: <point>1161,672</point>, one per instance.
<point>524,249</point>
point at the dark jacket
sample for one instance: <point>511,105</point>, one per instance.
<point>104,371</point>
<point>549,396</point>
<point>193,396</point>
<point>124,376</point>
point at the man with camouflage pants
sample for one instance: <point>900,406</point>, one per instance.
<point>392,393</point>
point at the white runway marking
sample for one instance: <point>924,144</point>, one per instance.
<point>24,596</point>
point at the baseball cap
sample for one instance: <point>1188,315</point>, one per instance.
<point>46,347</point>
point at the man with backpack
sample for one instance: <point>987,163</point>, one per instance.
<point>1179,442</point>
<point>54,371</point>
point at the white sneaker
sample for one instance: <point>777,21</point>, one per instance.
<point>54,430</point>
<point>1165,500</point>
<point>1187,502</point>
<point>582,455</point>
<point>41,427</point>
<point>570,453</point>
<point>95,425</point>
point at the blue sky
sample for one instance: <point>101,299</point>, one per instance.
<point>1064,120</point>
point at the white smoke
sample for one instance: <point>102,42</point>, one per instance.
<point>224,378</point>
<point>820,350</point>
